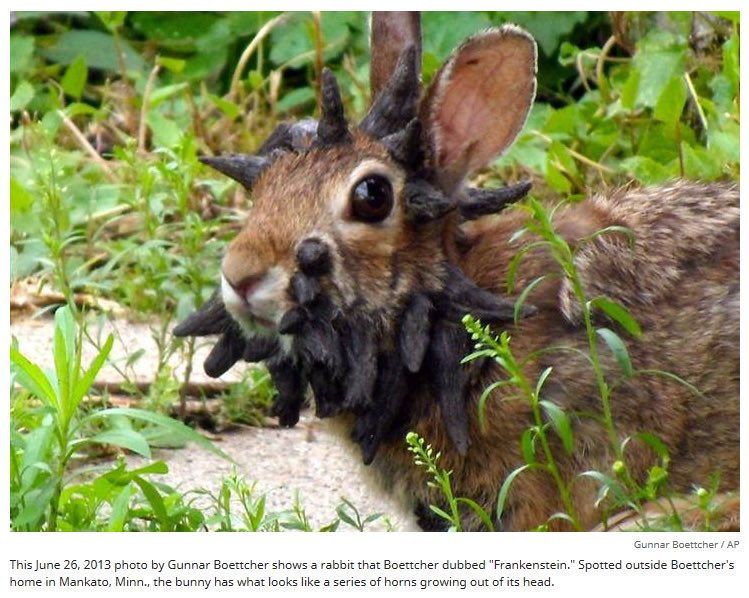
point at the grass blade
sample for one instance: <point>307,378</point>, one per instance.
<point>172,425</point>
<point>560,422</point>
<point>618,348</point>
<point>617,313</point>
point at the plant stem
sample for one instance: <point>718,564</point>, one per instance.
<point>508,360</point>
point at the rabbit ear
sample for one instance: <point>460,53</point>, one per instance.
<point>390,34</point>
<point>479,101</point>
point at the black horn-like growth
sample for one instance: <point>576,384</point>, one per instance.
<point>332,127</point>
<point>242,168</point>
<point>396,106</point>
<point>482,202</point>
<point>405,145</point>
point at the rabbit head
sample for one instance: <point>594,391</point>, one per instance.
<point>375,203</point>
<point>347,255</point>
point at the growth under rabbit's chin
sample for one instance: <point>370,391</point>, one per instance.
<point>357,359</point>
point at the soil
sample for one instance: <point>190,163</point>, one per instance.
<point>307,460</point>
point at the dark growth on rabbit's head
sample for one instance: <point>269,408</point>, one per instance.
<point>346,256</point>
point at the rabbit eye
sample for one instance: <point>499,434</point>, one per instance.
<point>372,199</point>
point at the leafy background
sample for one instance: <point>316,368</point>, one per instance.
<point>110,110</point>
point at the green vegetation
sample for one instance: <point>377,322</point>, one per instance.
<point>109,111</point>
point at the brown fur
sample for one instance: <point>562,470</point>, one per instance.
<point>679,281</point>
<point>690,317</point>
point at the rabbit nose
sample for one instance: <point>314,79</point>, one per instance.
<point>247,286</point>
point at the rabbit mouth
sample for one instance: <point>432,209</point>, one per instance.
<point>256,309</point>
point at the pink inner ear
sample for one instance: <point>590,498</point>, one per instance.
<point>483,101</point>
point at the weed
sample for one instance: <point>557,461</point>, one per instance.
<point>425,457</point>
<point>51,431</point>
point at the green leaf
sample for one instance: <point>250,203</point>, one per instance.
<point>646,169</point>
<point>33,379</point>
<point>731,60</point>
<point>542,380</point>
<point>331,527</point>
<point>693,389</point>
<point>528,444</point>
<point>171,425</point>
<point>112,19</point>
<point>166,132</point>
<point>701,164</point>
<point>122,476</point>
<point>520,301</point>
<point>230,109</point>
<point>52,121</point>
<point>485,395</point>
<point>657,475</point>
<point>629,90</point>
<point>21,97</point>
<point>607,483</point>
<point>167,91</point>
<point>83,385</point>
<point>514,264</point>
<point>444,31</point>
<point>255,80</point>
<point>120,509</point>
<point>123,438</point>
<point>479,510</point>
<point>344,516</point>
<point>725,143</point>
<point>560,422</point>
<point>37,453</point>
<point>659,58</point>
<point>157,503</point>
<point>97,48</point>
<point>75,77</point>
<point>671,102</point>
<point>654,443</point>
<point>548,32</point>
<point>564,122</point>
<point>295,99</point>
<point>295,41</point>
<point>35,509</point>
<point>173,64</point>
<point>79,109</point>
<point>617,347</point>
<point>617,313</point>
<point>732,15</point>
<point>65,360</point>
<point>611,230</point>
<point>555,178</point>
<point>183,32</point>
<point>435,509</point>
<point>505,489</point>
<point>20,199</point>
<point>21,53</point>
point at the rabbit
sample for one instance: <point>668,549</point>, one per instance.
<point>364,248</point>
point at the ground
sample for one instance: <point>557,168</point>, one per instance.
<point>306,459</point>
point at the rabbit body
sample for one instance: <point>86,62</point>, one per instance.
<point>680,281</point>
<point>362,251</point>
